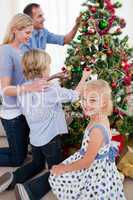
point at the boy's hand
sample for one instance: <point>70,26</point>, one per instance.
<point>61,75</point>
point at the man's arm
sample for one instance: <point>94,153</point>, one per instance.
<point>69,36</point>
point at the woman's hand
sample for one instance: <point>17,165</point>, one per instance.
<point>58,169</point>
<point>37,86</point>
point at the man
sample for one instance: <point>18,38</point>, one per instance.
<point>37,188</point>
<point>41,36</point>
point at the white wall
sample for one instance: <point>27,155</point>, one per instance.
<point>127,13</point>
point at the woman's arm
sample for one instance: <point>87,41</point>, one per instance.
<point>10,90</point>
<point>96,141</point>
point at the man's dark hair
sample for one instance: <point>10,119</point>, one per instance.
<point>28,9</point>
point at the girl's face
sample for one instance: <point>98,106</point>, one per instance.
<point>91,103</point>
<point>23,36</point>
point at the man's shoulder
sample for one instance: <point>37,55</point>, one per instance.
<point>43,30</point>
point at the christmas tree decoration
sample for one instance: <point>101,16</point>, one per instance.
<point>91,31</point>
<point>79,37</point>
<point>64,69</point>
<point>85,17</point>
<point>101,48</point>
<point>103,24</point>
<point>84,30</point>
<point>109,52</point>
<point>126,66</point>
<point>127,80</point>
<point>118,31</point>
<point>93,9</point>
<point>118,4</point>
<point>114,85</point>
<point>122,23</point>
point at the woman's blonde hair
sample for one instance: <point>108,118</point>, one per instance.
<point>104,91</point>
<point>35,62</point>
<point>19,21</point>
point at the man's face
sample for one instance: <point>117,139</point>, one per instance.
<point>38,18</point>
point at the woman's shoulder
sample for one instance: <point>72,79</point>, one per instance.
<point>6,49</point>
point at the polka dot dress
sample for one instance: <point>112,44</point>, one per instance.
<point>101,181</point>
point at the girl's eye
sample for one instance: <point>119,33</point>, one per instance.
<point>92,100</point>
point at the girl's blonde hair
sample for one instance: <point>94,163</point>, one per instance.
<point>104,91</point>
<point>19,21</point>
<point>35,62</point>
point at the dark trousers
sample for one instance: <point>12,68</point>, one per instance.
<point>50,153</point>
<point>38,187</point>
<point>17,132</point>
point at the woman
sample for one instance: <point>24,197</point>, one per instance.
<point>11,82</point>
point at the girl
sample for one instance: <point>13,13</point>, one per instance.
<point>11,78</point>
<point>91,172</point>
<point>46,119</point>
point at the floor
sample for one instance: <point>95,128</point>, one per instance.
<point>128,183</point>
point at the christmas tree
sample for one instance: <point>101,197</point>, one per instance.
<point>101,46</point>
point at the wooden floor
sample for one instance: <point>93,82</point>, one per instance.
<point>128,184</point>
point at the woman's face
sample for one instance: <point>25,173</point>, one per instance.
<point>23,36</point>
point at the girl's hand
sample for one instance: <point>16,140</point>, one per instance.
<point>86,73</point>
<point>58,169</point>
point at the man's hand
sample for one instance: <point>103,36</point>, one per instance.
<point>69,36</point>
<point>78,19</point>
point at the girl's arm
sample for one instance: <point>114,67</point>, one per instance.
<point>96,141</point>
<point>85,76</point>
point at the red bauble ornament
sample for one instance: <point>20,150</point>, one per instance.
<point>91,31</point>
<point>87,68</point>
<point>109,52</point>
<point>118,30</point>
<point>113,84</point>
<point>122,23</point>
<point>125,65</point>
<point>105,46</point>
<point>82,58</point>
<point>93,9</point>
<point>64,69</point>
<point>127,80</point>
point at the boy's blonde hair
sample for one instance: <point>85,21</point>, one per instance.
<point>104,91</point>
<point>35,62</point>
<point>19,21</point>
